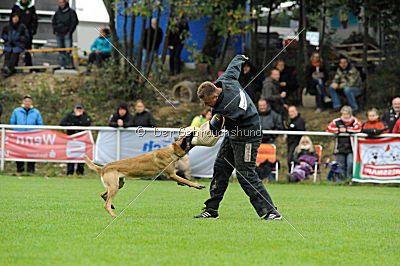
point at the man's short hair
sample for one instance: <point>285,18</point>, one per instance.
<point>343,57</point>
<point>263,100</point>
<point>272,70</point>
<point>206,89</point>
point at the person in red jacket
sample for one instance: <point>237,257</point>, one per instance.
<point>346,123</point>
<point>374,126</point>
<point>396,128</point>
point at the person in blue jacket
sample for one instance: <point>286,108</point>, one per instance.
<point>26,115</point>
<point>101,48</point>
<point>15,35</point>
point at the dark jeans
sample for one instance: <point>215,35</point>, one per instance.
<point>290,150</point>
<point>28,57</point>
<point>345,161</point>
<point>71,168</point>
<point>175,60</point>
<point>98,58</point>
<point>64,41</point>
<point>321,93</point>
<point>21,167</point>
<point>233,150</point>
<point>11,60</point>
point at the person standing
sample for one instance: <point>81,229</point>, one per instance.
<point>64,22</point>
<point>346,123</point>
<point>249,80</point>
<point>393,115</point>
<point>122,117</point>
<point>26,115</point>
<point>239,148</point>
<point>142,117</point>
<point>374,126</point>
<point>269,120</point>
<point>176,39</point>
<point>295,123</point>
<point>15,35</point>
<point>150,54</point>
<point>78,117</point>
<point>26,11</point>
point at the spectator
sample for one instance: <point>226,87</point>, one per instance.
<point>26,115</point>
<point>317,76</point>
<point>142,117</point>
<point>274,95</point>
<point>343,151</point>
<point>374,126</point>
<point>269,119</point>
<point>347,78</point>
<point>26,11</point>
<point>101,48</point>
<point>79,118</point>
<point>249,80</point>
<point>15,35</point>
<point>288,81</point>
<point>304,158</point>
<point>150,54</point>
<point>122,117</point>
<point>64,22</point>
<point>393,115</point>
<point>396,128</point>
<point>201,119</point>
<point>295,123</point>
<point>176,39</point>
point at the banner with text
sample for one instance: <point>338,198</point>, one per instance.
<point>135,143</point>
<point>378,161</point>
<point>48,145</point>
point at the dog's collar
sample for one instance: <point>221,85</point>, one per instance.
<point>179,156</point>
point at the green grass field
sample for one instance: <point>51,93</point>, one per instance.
<point>55,221</point>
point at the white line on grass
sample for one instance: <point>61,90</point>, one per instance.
<point>112,221</point>
<point>127,60</point>
<point>266,66</point>
<point>264,197</point>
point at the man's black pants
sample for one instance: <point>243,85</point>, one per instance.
<point>21,167</point>
<point>71,168</point>
<point>175,59</point>
<point>11,60</point>
<point>242,154</point>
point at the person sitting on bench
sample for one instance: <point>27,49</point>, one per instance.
<point>14,35</point>
<point>101,48</point>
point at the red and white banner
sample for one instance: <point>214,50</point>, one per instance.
<point>378,161</point>
<point>48,145</point>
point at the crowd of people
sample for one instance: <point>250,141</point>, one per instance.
<point>27,114</point>
<point>23,25</point>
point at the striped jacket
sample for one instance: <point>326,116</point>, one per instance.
<point>343,144</point>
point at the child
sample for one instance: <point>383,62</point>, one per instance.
<point>305,158</point>
<point>374,126</point>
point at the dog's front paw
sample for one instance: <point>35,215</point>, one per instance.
<point>200,186</point>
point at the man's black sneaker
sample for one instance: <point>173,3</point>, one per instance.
<point>273,215</point>
<point>208,213</point>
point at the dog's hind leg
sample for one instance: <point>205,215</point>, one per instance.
<point>104,195</point>
<point>112,183</point>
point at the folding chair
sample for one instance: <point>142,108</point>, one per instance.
<point>268,152</point>
<point>318,150</point>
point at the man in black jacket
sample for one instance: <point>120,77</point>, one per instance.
<point>78,117</point>
<point>391,117</point>
<point>122,117</point>
<point>295,123</point>
<point>269,120</point>
<point>150,54</point>
<point>64,22</point>
<point>239,148</point>
<point>176,39</point>
<point>27,15</point>
<point>275,96</point>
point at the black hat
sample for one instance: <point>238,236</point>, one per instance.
<point>27,96</point>
<point>123,106</point>
<point>78,105</point>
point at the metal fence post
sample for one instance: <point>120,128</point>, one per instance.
<point>355,154</point>
<point>3,147</point>
<point>118,144</point>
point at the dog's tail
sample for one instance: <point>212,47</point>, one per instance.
<point>92,165</point>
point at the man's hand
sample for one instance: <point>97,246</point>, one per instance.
<point>283,94</point>
<point>120,122</point>
<point>171,47</point>
<point>282,84</point>
<point>286,106</point>
<point>334,85</point>
<point>98,51</point>
<point>342,130</point>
